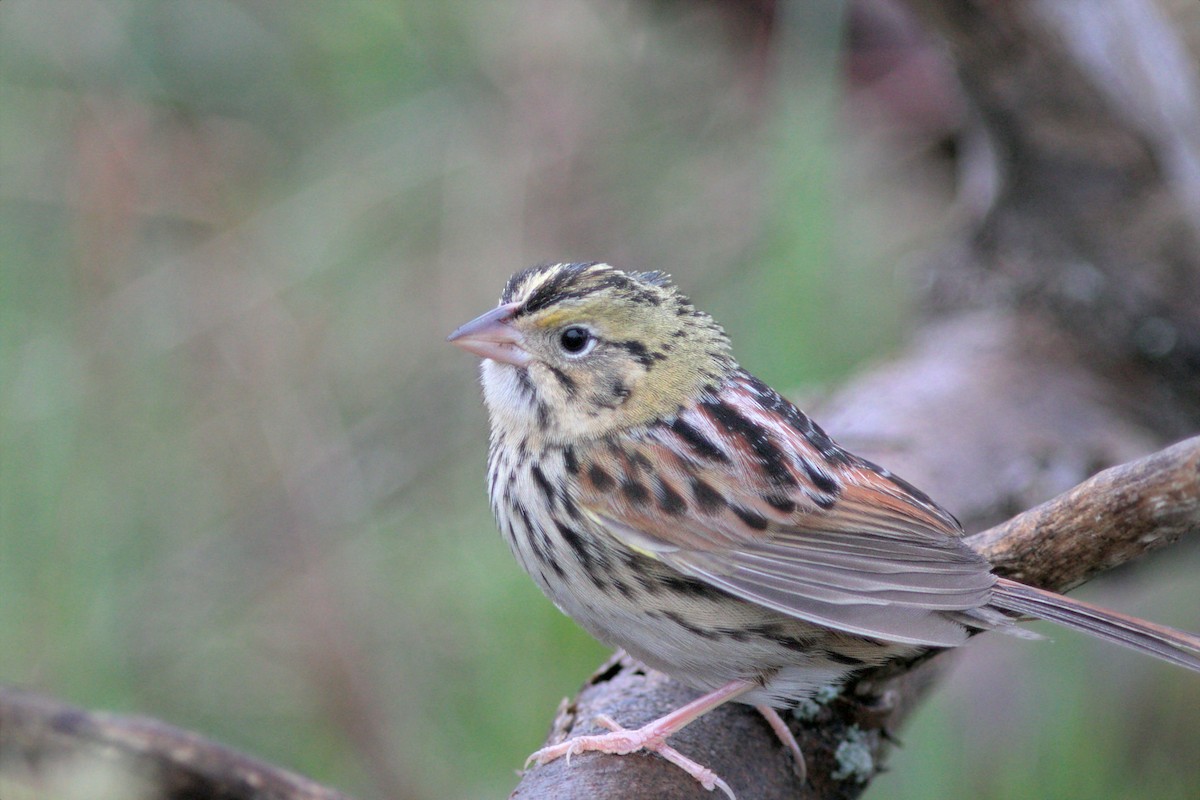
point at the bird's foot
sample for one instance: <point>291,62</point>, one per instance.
<point>622,741</point>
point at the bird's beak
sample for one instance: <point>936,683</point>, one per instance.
<point>492,335</point>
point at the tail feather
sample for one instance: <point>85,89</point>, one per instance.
<point>1160,641</point>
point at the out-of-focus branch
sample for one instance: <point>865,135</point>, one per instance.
<point>1092,113</point>
<point>51,749</point>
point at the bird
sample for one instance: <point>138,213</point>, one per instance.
<point>678,507</point>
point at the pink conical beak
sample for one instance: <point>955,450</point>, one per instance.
<point>492,335</point>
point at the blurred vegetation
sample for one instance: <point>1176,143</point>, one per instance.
<point>241,474</point>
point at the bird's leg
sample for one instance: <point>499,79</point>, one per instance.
<point>785,736</point>
<point>653,736</point>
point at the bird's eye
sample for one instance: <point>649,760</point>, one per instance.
<point>576,339</point>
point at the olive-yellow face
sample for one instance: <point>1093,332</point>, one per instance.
<point>582,350</point>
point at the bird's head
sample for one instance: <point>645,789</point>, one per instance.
<point>583,350</point>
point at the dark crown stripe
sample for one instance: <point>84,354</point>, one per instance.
<point>574,281</point>
<point>568,281</point>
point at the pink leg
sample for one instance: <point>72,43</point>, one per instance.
<point>652,736</point>
<point>785,735</point>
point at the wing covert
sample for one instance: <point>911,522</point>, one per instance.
<point>748,495</point>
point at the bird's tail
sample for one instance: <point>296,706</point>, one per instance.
<point>1160,641</point>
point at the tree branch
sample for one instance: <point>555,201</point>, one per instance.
<point>1116,516</point>
<point>57,750</point>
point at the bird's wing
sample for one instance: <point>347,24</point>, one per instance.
<point>744,492</point>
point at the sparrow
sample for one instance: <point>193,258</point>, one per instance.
<point>676,506</point>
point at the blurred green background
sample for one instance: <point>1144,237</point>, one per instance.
<point>242,474</point>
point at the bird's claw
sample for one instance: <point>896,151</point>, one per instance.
<point>622,741</point>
